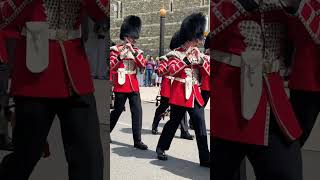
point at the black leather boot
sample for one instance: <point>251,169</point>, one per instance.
<point>186,135</point>
<point>5,143</point>
<point>161,154</point>
<point>140,145</point>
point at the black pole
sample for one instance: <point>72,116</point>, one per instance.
<point>162,24</point>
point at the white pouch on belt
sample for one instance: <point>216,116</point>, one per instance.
<point>251,82</point>
<point>188,83</point>
<point>37,59</point>
<point>121,76</point>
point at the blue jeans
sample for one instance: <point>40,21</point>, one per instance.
<point>148,77</point>
<point>140,78</point>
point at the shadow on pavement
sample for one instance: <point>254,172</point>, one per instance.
<point>183,168</point>
<point>143,131</point>
<point>162,125</point>
<point>129,131</point>
<point>180,167</point>
<point>129,151</point>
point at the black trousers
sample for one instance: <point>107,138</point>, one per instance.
<point>205,96</point>
<point>170,128</point>
<point>307,107</point>
<point>136,112</point>
<point>4,99</point>
<point>80,133</point>
<point>279,160</point>
<point>164,105</point>
<point>4,83</point>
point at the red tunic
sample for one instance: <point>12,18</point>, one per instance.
<point>112,74</point>
<point>62,74</point>
<point>166,79</point>
<point>234,37</point>
<point>131,82</point>
<point>11,34</point>
<point>165,86</point>
<point>205,76</point>
<point>177,70</point>
<point>305,72</point>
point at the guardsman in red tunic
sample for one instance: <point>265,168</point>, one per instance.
<point>185,64</point>
<point>7,52</point>
<point>165,93</point>
<point>125,58</point>
<point>251,115</point>
<point>205,77</point>
<point>51,76</point>
<point>304,82</point>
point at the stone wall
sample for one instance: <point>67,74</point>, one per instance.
<point>148,11</point>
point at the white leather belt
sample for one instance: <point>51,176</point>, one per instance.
<point>235,60</point>
<point>169,77</point>
<point>130,72</point>
<point>184,80</point>
<point>226,58</point>
<point>59,34</point>
<point>253,67</point>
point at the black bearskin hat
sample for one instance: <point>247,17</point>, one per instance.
<point>130,27</point>
<point>192,27</point>
<point>175,41</point>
